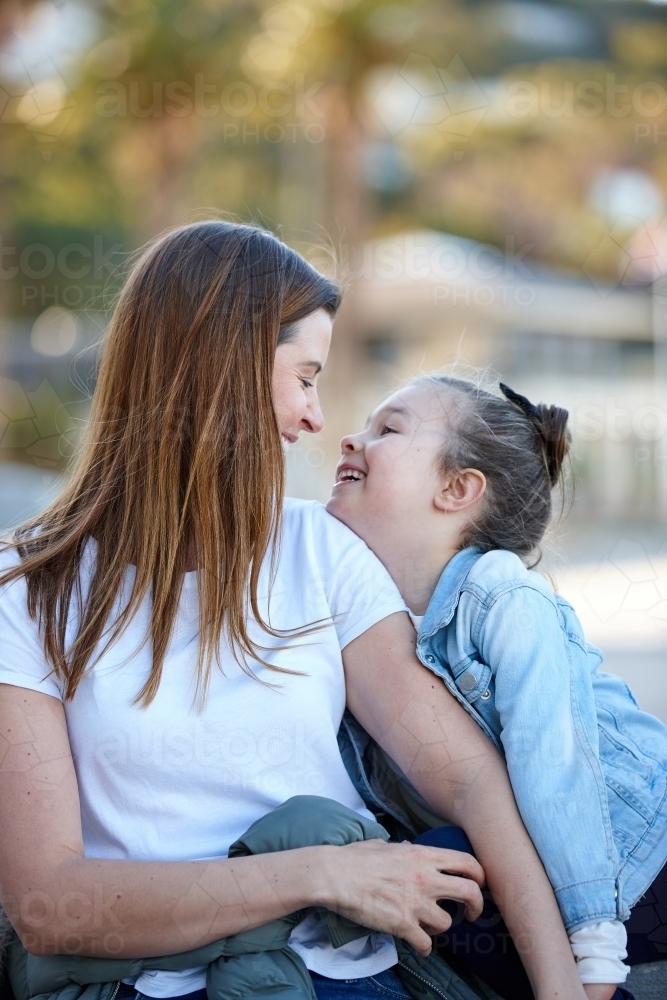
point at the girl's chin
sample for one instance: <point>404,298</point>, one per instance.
<point>336,506</point>
<point>344,512</point>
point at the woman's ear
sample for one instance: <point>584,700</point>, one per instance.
<point>460,490</point>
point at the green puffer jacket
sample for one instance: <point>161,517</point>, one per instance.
<point>256,964</point>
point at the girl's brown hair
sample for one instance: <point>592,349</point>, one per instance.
<point>519,447</point>
<point>183,453</point>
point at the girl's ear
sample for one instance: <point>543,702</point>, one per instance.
<point>460,490</point>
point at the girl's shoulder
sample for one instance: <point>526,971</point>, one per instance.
<point>500,571</point>
<point>473,578</point>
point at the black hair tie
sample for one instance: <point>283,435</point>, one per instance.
<point>522,402</point>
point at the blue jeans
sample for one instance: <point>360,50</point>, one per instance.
<point>384,984</point>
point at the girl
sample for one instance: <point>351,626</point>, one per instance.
<point>450,485</point>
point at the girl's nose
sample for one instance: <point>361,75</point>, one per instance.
<point>350,443</point>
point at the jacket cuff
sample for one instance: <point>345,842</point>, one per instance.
<point>588,902</point>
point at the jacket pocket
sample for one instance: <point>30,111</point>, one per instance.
<point>473,679</point>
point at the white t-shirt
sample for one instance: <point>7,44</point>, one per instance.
<point>168,783</point>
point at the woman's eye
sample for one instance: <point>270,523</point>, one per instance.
<point>387,430</point>
<point>306,384</point>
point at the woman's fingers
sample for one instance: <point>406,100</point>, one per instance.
<point>454,863</point>
<point>463,890</point>
<point>436,922</point>
<point>396,888</point>
<point>419,939</point>
<point>461,877</point>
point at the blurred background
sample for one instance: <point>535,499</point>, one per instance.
<point>488,177</point>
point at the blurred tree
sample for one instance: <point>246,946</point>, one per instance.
<point>355,116</point>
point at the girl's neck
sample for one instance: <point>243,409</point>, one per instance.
<point>416,570</point>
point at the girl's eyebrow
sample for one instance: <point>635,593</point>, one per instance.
<point>397,408</point>
<point>384,411</point>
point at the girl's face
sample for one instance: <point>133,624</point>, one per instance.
<point>296,369</point>
<point>388,476</point>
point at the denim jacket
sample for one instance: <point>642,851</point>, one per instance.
<point>588,767</point>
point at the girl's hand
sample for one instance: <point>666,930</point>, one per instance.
<point>599,991</point>
<point>395,888</point>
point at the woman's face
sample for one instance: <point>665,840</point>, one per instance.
<point>296,369</point>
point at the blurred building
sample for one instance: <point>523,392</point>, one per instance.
<point>423,300</point>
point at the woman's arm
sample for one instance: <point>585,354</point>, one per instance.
<point>464,779</point>
<point>61,902</point>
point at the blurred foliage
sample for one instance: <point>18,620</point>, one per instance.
<point>300,114</point>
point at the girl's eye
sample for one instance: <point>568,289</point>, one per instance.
<point>387,430</point>
<point>306,384</point>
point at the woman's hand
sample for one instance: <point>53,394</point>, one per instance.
<point>395,888</point>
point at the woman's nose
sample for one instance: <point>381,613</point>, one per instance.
<point>313,421</point>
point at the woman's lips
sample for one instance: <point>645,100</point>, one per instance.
<point>289,438</point>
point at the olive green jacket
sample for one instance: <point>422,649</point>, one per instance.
<point>256,964</point>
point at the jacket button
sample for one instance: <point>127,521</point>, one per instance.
<point>486,695</point>
<point>430,659</point>
<point>467,682</point>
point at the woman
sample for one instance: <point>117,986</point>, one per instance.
<point>179,646</point>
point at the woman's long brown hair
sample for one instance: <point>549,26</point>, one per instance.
<point>182,454</point>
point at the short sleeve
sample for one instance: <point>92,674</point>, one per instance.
<point>359,590</point>
<point>22,659</point>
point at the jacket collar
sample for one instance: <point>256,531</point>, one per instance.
<point>446,595</point>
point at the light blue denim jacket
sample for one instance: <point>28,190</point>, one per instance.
<point>588,767</point>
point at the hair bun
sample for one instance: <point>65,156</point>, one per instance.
<point>556,437</point>
<point>551,423</point>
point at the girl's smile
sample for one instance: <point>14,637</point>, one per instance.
<point>391,465</point>
<point>392,491</point>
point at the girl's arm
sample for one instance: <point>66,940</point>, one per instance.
<point>447,757</point>
<point>61,902</point>
<point>544,698</point>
